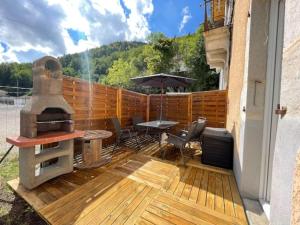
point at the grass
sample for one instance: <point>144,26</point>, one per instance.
<point>9,168</point>
<point>14,210</point>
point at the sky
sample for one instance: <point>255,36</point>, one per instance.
<point>31,29</point>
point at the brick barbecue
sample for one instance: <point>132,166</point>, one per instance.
<point>47,111</point>
<point>45,121</point>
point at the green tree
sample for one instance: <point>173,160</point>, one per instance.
<point>159,55</point>
<point>206,79</point>
<point>120,73</point>
<point>155,37</point>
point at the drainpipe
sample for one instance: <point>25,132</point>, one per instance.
<point>230,25</point>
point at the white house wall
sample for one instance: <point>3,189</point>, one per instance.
<point>247,163</point>
<point>288,131</point>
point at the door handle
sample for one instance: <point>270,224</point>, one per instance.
<point>281,110</point>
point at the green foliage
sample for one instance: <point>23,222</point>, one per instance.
<point>120,73</point>
<point>116,63</point>
<point>206,79</point>
<point>15,74</point>
<point>96,62</point>
<point>9,168</point>
<point>159,56</point>
<point>155,37</point>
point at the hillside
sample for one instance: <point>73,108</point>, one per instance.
<point>116,63</point>
<point>97,61</point>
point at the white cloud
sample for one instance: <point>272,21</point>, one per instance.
<point>7,56</point>
<point>137,21</point>
<point>186,17</point>
<point>42,25</point>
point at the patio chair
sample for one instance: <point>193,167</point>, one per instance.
<point>180,141</point>
<point>123,134</point>
<point>139,129</point>
<point>200,129</point>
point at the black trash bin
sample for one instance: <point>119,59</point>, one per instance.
<point>217,147</point>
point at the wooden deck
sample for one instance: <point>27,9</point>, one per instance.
<point>139,189</point>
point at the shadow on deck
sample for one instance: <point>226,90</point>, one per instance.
<point>139,188</point>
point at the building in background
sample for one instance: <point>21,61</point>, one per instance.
<point>255,44</point>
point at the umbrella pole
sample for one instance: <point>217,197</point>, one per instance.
<point>161,101</point>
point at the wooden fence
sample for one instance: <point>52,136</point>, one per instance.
<point>186,108</point>
<point>212,105</point>
<point>95,104</point>
<point>132,104</point>
<point>175,107</point>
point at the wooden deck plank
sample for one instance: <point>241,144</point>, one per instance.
<point>113,215</point>
<point>203,189</point>
<point>125,215</point>
<point>219,200</point>
<point>27,195</point>
<point>210,199</point>
<point>180,212</point>
<point>196,164</point>
<point>142,221</point>
<point>228,202</point>
<point>139,189</point>
<point>189,184</point>
<point>196,186</point>
<point>172,204</point>
<point>107,203</point>
<point>155,219</point>
<point>170,217</point>
<point>182,182</point>
<point>141,207</point>
<point>238,204</point>
<point>100,183</point>
<point>176,180</point>
<point>172,176</point>
<point>194,210</point>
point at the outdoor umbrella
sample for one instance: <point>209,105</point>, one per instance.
<point>162,81</point>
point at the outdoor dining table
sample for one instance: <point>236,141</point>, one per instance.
<point>160,125</point>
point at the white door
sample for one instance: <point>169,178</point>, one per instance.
<point>276,31</point>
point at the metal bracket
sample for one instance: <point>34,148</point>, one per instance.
<point>281,111</point>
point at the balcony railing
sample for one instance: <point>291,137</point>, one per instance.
<point>214,14</point>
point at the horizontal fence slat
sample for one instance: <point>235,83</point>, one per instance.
<point>96,104</point>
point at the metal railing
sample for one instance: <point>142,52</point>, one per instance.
<point>12,100</point>
<point>214,14</point>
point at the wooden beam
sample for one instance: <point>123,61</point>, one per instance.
<point>148,108</point>
<point>119,105</point>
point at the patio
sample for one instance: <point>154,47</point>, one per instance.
<point>139,188</point>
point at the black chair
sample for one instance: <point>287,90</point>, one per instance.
<point>180,141</point>
<point>123,134</point>
<point>139,129</point>
<point>202,121</point>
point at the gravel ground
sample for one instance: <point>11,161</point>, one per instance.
<point>13,209</point>
<point>9,125</point>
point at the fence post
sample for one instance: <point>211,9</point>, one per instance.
<point>226,105</point>
<point>119,105</point>
<point>190,108</point>
<point>148,108</point>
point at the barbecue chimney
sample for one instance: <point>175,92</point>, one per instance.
<point>47,111</point>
